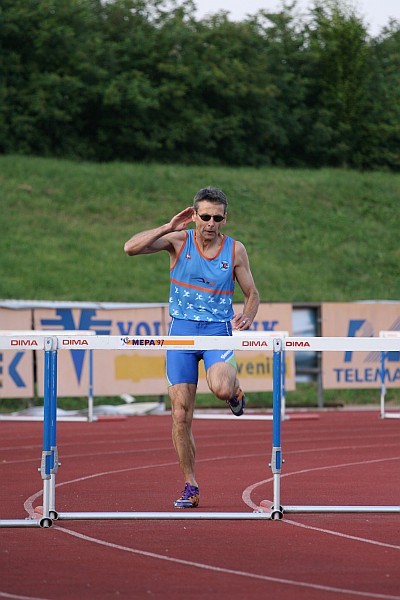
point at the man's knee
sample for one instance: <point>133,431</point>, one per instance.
<point>180,414</point>
<point>182,403</point>
<point>221,381</point>
<point>221,390</point>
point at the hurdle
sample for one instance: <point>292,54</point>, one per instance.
<point>27,334</point>
<point>384,413</point>
<point>271,335</point>
<point>49,460</point>
<point>328,344</point>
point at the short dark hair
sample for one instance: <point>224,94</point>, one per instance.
<point>212,194</point>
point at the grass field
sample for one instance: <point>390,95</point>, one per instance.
<point>328,235</point>
<point>312,235</point>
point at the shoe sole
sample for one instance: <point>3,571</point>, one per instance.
<point>186,502</point>
<point>241,409</point>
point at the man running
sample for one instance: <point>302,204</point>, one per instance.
<point>204,265</point>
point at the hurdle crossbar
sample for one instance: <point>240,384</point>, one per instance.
<point>69,341</point>
<point>384,413</point>
<point>21,523</point>
<point>177,515</point>
<point>340,509</point>
<point>278,346</point>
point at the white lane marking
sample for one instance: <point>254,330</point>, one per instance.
<point>246,496</point>
<point>18,597</point>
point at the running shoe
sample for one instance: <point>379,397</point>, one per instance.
<point>237,403</point>
<point>190,497</point>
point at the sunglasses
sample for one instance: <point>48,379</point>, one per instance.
<point>217,218</point>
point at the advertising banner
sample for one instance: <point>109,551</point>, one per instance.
<point>359,369</point>
<point>142,373</point>
<point>114,372</point>
<point>16,366</point>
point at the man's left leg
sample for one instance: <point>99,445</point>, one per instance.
<point>224,384</point>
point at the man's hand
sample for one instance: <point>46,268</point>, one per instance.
<point>182,219</point>
<point>240,322</point>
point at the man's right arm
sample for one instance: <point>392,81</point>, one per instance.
<point>160,238</point>
<point>148,242</point>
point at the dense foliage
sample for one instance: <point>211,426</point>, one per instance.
<point>144,80</point>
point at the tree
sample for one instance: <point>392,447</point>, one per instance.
<point>338,66</point>
<point>145,80</point>
<point>47,63</point>
<point>383,125</point>
<point>281,58</point>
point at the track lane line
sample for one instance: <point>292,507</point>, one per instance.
<point>246,496</point>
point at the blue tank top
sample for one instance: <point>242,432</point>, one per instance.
<point>201,287</point>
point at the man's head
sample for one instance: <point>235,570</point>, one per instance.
<point>209,214</point>
<point>210,194</point>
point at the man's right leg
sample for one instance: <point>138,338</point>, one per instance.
<point>182,375</point>
<point>182,402</point>
<point>182,405</point>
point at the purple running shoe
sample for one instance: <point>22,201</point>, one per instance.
<point>190,497</point>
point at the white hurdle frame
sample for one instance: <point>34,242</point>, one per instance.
<point>49,463</point>
<point>46,333</point>
<point>384,413</point>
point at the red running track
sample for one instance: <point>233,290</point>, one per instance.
<point>343,458</point>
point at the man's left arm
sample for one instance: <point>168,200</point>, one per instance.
<point>244,277</point>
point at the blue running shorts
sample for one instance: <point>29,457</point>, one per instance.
<point>183,365</point>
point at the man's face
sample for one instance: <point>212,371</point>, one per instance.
<point>209,218</point>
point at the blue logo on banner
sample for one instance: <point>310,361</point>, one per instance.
<point>87,322</point>
<point>368,374</point>
<point>361,327</point>
<point>265,325</point>
<point>12,370</point>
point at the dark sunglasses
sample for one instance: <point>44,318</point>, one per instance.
<point>217,218</point>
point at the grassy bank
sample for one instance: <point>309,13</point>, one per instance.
<point>328,235</point>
